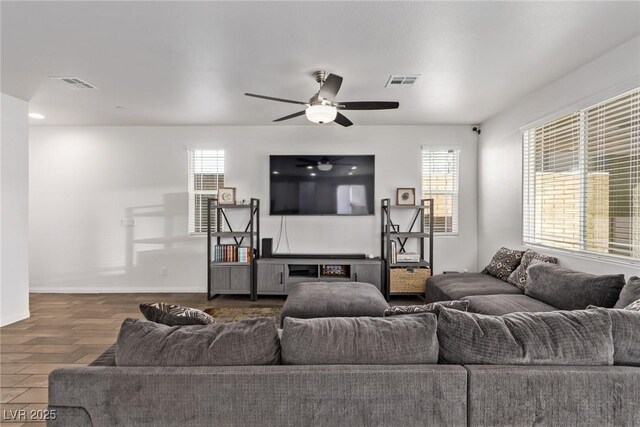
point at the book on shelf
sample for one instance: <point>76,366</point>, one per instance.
<point>230,253</point>
<point>394,252</point>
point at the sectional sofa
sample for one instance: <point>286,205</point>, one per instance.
<point>534,366</point>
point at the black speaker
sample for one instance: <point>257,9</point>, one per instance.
<point>267,248</point>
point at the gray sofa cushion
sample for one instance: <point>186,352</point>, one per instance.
<point>503,263</point>
<point>246,342</point>
<point>626,336</point>
<point>360,340</point>
<point>630,293</point>
<point>333,299</point>
<point>552,338</point>
<point>519,275</point>
<point>174,315</point>
<point>425,308</point>
<point>572,290</point>
<point>455,286</point>
<point>505,304</point>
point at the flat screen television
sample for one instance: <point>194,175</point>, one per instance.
<point>322,185</point>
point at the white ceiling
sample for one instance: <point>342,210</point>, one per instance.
<point>189,63</point>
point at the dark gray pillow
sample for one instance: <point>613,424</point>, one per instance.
<point>550,338</point>
<point>572,290</point>
<point>394,340</point>
<point>174,315</point>
<point>246,342</point>
<point>426,308</point>
<point>519,275</point>
<point>626,336</point>
<point>503,263</point>
<point>630,292</point>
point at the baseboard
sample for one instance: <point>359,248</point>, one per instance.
<point>116,290</point>
<point>15,318</point>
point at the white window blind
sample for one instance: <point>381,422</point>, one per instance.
<point>581,180</point>
<point>440,181</point>
<point>206,175</point>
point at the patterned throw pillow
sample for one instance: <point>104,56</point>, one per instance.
<point>503,263</point>
<point>174,315</point>
<point>426,308</point>
<point>519,275</point>
<point>634,306</point>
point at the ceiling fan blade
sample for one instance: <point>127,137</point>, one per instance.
<point>369,105</point>
<point>271,98</point>
<point>330,87</point>
<point>290,116</point>
<point>342,120</point>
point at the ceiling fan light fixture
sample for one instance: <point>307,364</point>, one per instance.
<point>321,113</point>
<point>325,167</point>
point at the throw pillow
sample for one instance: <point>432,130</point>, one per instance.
<point>630,292</point>
<point>503,263</point>
<point>426,308</point>
<point>519,275</point>
<point>572,290</point>
<point>395,340</point>
<point>245,342</point>
<point>549,338</point>
<point>174,315</point>
<point>634,306</point>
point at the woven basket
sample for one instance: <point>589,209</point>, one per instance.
<point>408,279</point>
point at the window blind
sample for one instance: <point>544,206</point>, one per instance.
<point>581,180</point>
<point>206,175</point>
<point>440,181</point>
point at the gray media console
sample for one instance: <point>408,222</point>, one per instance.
<point>275,276</point>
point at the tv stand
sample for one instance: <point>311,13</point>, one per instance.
<point>276,275</point>
<point>319,256</point>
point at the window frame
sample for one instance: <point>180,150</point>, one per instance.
<point>455,217</point>
<point>192,192</point>
<point>581,109</point>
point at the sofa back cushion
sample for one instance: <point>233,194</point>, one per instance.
<point>246,342</point>
<point>396,340</point>
<point>630,293</point>
<point>550,338</point>
<point>625,327</point>
<point>572,290</point>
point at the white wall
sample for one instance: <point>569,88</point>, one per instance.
<point>14,210</point>
<point>500,151</point>
<point>84,180</point>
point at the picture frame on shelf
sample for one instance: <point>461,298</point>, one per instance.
<point>405,196</point>
<point>227,196</point>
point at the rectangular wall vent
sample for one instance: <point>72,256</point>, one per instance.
<point>402,80</point>
<point>74,82</point>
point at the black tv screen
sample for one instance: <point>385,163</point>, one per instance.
<point>322,185</point>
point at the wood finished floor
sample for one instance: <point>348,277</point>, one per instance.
<point>73,329</point>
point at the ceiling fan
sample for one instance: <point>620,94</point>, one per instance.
<point>323,108</point>
<point>324,164</point>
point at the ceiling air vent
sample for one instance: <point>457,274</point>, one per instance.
<point>402,80</point>
<point>74,82</point>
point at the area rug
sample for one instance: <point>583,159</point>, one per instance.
<point>225,315</point>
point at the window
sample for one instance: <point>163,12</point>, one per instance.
<point>440,177</point>
<point>581,180</point>
<point>206,175</point>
